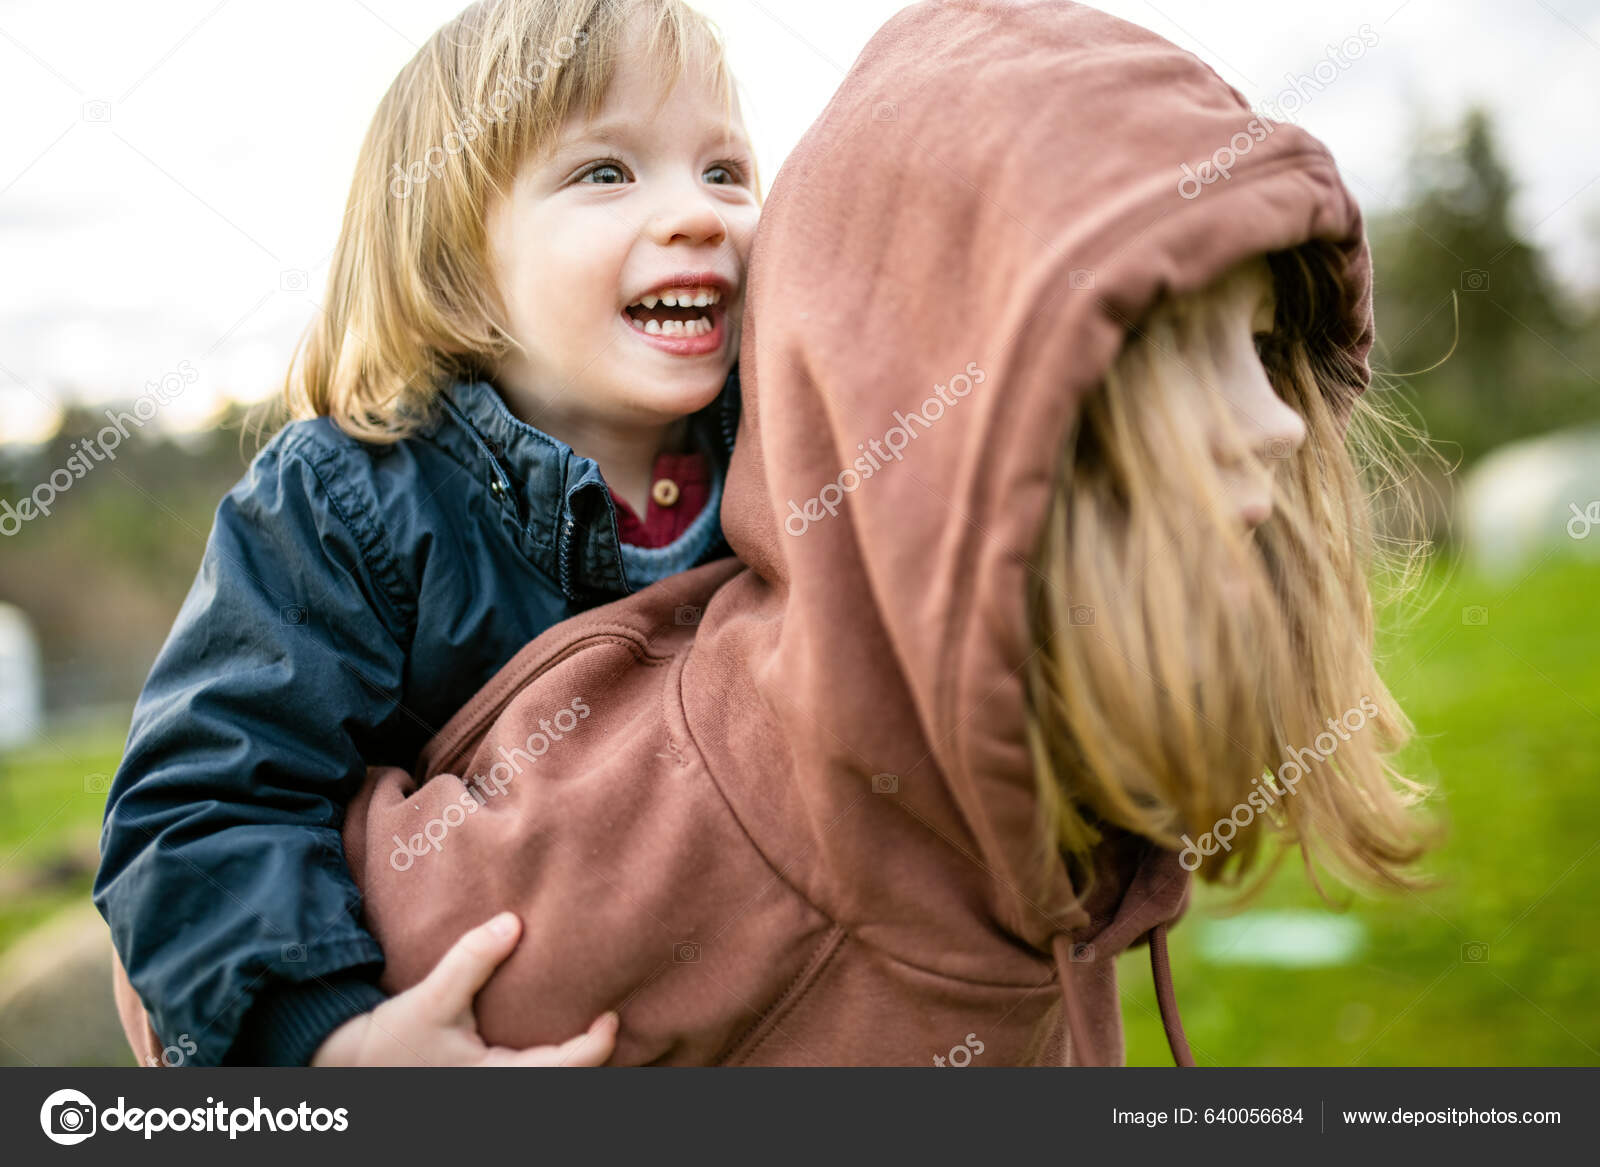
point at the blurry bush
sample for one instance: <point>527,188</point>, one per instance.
<point>102,576</point>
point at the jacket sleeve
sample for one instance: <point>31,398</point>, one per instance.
<point>222,872</point>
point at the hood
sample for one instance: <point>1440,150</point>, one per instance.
<point>949,261</point>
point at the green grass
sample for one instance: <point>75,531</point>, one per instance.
<point>1508,717</point>
<point>52,796</point>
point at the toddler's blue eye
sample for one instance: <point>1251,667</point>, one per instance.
<point>728,176</point>
<point>606,174</point>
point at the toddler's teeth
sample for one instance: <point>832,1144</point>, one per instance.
<point>701,300</point>
<point>669,300</point>
<point>653,327</point>
<point>648,301</point>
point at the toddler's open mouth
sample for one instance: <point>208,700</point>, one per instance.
<point>676,312</point>
<point>683,319</point>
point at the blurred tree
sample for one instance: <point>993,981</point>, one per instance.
<point>1518,363</point>
<point>103,574</point>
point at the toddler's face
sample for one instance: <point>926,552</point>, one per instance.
<point>620,259</point>
<point>1264,431</point>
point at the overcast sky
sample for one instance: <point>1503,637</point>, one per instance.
<point>169,169</point>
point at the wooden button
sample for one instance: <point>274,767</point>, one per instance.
<point>664,492</point>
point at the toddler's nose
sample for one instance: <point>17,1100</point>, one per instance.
<point>689,219</point>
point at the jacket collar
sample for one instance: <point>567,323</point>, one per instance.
<point>555,497</point>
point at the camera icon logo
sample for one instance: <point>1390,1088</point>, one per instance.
<point>292,614</point>
<point>67,1117</point>
<point>686,952</point>
<point>293,280</point>
<point>1081,279</point>
<point>1474,279</point>
<point>1082,614</point>
<point>98,110</point>
<point>687,614</point>
<point>1474,952</point>
<point>1475,615</point>
<point>886,784</point>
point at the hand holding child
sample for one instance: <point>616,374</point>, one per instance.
<point>432,1023</point>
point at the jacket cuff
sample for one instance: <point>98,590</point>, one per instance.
<point>289,1021</point>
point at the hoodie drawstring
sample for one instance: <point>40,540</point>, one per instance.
<point>1167,998</point>
<point>1076,962</point>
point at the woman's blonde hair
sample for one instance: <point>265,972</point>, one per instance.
<point>1202,685</point>
<point>411,302</point>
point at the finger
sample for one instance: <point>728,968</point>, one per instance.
<point>471,961</point>
<point>592,1048</point>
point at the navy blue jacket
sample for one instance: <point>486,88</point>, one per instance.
<point>351,598</point>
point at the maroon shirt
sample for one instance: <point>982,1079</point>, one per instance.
<point>679,490</point>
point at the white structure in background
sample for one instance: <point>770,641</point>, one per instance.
<point>21,684</point>
<point>1532,498</point>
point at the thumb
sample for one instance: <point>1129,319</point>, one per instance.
<point>462,971</point>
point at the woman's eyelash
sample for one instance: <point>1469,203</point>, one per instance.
<point>1271,347</point>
